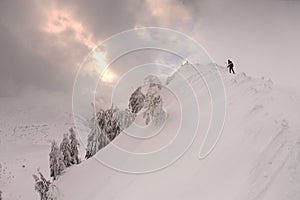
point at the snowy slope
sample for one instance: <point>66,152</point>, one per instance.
<point>257,156</point>
<point>27,124</point>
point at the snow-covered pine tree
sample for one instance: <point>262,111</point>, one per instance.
<point>101,118</point>
<point>57,165</point>
<point>39,186</point>
<point>153,82</point>
<point>112,128</point>
<point>65,148</point>
<point>153,102</point>
<point>42,186</point>
<point>53,193</point>
<point>74,144</point>
<point>106,125</point>
<point>124,118</point>
<point>157,112</point>
<point>136,101</point>
<point>97,138</point>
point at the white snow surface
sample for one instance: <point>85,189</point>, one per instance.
<point>27,126</point>
<point>257,156</point>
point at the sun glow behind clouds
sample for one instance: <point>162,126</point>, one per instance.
<point>106,74</point>
<point>59,21</point>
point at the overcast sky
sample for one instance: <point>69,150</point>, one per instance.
<point>42,43</point>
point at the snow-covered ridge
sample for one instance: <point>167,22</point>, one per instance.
<point>257,157</point>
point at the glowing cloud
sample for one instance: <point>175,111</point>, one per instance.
<point>59,21</point>
<point>106,74</point>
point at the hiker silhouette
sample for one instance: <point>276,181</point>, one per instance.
<point>230,66</point>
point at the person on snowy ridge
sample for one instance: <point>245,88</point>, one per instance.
<point>230,66</point>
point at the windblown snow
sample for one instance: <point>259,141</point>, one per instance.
<point>257,156</point>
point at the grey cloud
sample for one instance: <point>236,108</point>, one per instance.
<point>22,68</point>
<point>105,18</point>
<point>31,58</point>
<point>260,36</point>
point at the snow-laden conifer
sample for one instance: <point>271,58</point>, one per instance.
<point>57,165</point>
<point>74,145</point>
<point>43,186</point>
<point>96,138</point>
<point>65,148</point>
<point>153,101</point>
<point>136,101</point>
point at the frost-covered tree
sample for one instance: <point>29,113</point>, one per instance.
<point>153,102</point>
<point>65,148</point>
<point>112,128</point>
<point>39,187</point>
<point>152,81</point>
<point>157,112</point>
<point>42,186</point>
<point>153,109</point>
<point>57,165</point>
<point>0,195</point>
<point>53,192</point>
<point>96,138</point>
<point>124,118</point>
<point>101,119</point>
<point>74,144</point>
<point>106,125</point>
<point>109,124</point>
<point>136,101</point>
